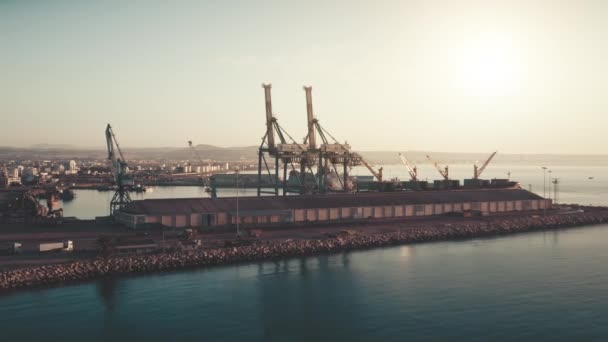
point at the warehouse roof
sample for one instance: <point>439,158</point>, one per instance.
<point>228,204</point>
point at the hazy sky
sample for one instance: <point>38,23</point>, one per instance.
<point>517,76</point>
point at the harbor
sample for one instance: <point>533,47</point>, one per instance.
<point>303,171</point>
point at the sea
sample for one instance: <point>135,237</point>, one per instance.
<point>541,286</point>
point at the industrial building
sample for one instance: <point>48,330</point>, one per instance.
<point>271,210</point>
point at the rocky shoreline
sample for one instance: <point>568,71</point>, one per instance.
<point>91,269</point>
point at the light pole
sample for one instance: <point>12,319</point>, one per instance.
<point>550,186</point>
<point>544,181</point>
<point>555,182</point>
<point>238,217</point>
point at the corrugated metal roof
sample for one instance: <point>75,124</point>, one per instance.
<point>228,204</point>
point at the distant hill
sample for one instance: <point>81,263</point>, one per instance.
<point>153,153</point>
<point>446,158</point>
<point>214,153</point>
<point>249,153</point>
<point>54,147</point>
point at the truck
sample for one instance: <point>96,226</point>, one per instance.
<point>10,248</point>
<point>65,246</point>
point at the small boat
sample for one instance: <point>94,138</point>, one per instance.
<point>140,188</point>
<point>67,195</point>
<point>590,177</point>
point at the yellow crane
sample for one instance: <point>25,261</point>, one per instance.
<point>377,174</point>
<point>477,171</point>
<point>444,172</point>
<point>411,170</point>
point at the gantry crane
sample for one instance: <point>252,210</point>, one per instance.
<point>287,153</point>
<point>119,168</point>
<point>477,171</point>
<point>413,171</point>
<point>444,172</point>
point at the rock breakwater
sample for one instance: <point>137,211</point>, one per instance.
<point>95,268</point>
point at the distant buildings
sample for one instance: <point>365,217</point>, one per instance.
<point>72,166</point>
<point>8,178</point>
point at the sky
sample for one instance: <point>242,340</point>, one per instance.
<point>454,76</point>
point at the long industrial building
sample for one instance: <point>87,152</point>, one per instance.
<point>273,210</point>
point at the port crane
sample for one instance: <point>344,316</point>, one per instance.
<point>413,171</point>
<point>119,169</point>
<point>477,171</point>
<point>377,174</point>
<point>444,172</point>
<point>283,152</point>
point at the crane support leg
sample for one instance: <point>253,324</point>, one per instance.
<point>277,169</point>
<point>345,174</point>
<point>320,174</point>
<point>302,177</point>
<point>284,177</point>
<point>260,156</point>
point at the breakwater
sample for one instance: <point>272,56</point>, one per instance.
<point>91,269</point>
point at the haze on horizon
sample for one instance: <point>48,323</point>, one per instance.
<point>453,76</point>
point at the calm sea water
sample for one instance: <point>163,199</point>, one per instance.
<point>535,286</point>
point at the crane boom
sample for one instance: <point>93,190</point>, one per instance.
<point>412,171</point>
<point>110,139</point>
<point>346,149</point>
<point>110,136</point>
<point>377,174</point>
<point>443,172</point>
<point>478,171</point>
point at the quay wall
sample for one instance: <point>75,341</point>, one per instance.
<point>91,269</point>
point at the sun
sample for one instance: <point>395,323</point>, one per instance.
<point>485,68</point>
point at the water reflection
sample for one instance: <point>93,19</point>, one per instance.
<point>106,289</point>
<point>346,259</point>
<point>551,238</point>
<point>303,267</point>
<point>407,252</point>
<point>310,286</point>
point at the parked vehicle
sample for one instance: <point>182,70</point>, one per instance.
<point>65,246</point>
<point>10,248</point>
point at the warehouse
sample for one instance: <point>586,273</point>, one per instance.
<point>271,210</point>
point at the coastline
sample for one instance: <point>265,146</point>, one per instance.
<point>112,266</point>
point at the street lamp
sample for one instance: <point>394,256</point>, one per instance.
<point>544,181</point>
<point>550,186</point>
<point>555,183</point>
<point>238,217</point>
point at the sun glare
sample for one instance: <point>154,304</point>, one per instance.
<point>485,69</point>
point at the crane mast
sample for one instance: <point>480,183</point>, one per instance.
<point>477,171</point>
<point>119,166</point>
<point>412,171</point>
<point>443,172</point>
